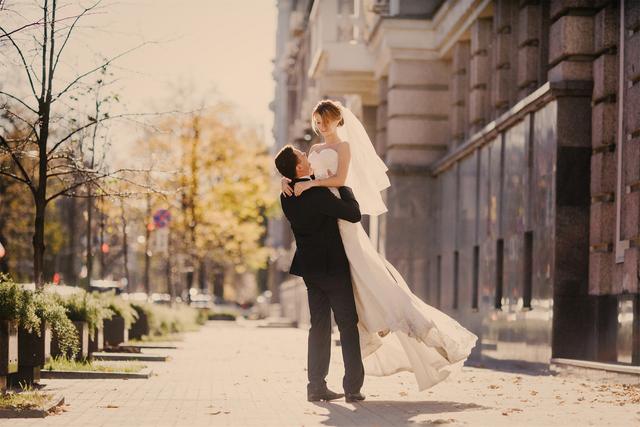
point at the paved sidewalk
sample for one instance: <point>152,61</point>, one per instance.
<point>236,374</point>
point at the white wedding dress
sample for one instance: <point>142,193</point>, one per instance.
<point>413,336</point>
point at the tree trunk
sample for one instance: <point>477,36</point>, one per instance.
<point>40,197</point>
<point>71,217</point>
<point>4,261</point>
<point>218,283</point>
<point>125,247</point>
<point>103,262</point>
<point>170,283</point>
<point>147,258</point>
<point>38,245</point>
<point>89,238</point>
<point>202,276</point>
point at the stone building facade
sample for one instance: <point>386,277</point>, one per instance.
<point>512,134</point>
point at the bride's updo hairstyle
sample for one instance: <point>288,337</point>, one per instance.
<point>326,109</point>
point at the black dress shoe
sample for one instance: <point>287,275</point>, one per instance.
<point>323,395</point>
<point>354,397</point>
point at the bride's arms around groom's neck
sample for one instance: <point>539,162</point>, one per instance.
<point>336,180</point>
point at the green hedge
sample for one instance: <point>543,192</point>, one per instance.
<point>165,320</point>
<point>89,307</point>
<point>29,309</point>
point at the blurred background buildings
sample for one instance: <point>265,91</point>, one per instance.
<point>512,134</point>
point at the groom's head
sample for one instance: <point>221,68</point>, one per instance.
<point>292,162</point>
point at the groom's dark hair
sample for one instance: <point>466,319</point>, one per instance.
<point>286,161</point>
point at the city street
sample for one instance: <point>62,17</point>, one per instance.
<point>238,374</point>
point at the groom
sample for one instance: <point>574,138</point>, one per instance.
<point>321,261</point>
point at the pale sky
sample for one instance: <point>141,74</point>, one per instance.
<point>224,45</point>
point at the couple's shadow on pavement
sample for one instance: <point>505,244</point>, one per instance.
<point>390,412</point>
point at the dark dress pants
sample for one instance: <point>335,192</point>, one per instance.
<point>326,294</point>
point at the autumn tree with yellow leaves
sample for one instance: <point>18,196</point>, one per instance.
<point>220,170</point>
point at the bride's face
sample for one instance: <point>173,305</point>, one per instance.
<point>326,127</point>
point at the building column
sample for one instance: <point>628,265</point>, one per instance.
<point>479,74</point>
<point>504,56</point>
<point>571,50</point>
<point>459,93</point>
<point>533,28</point>
<point>629,162</point>
<point>415,134</point>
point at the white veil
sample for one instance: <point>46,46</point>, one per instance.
<point>367,175</point>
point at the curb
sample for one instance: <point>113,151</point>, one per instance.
<point>149,346</point>
<point>625,373</point>
<point>130,356</point>
<point>72,375</point>
<point>57,400</point>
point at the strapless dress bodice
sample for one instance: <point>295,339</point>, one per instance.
<point>323,161</point>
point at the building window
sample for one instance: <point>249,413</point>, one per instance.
<point>439,281</point>
<point>476,277</point>
<point>528,270</point>
<point>456,276</point>
<point>499,273</point>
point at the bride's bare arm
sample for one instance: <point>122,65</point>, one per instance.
<point>285,184</point>
<point>337,180</point>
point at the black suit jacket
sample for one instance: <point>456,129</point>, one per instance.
<point>313,217</point>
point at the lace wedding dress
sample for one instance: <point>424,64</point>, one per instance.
<point>398,331</point>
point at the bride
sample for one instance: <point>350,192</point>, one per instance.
<point>398,331</point>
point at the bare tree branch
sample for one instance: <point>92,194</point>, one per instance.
<point>25,121</point>
<point>51,50</point>
<point>93,179</point>
<point>100,120</point>
<point>19,28</point>
<point>10,175</point>
<point>19,100</point>
<point>80,77</point>
<point>44,51</point>
<point>27,180</point>
<point>75,21</point>
<point>24,61</point>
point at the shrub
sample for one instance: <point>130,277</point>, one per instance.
<point>51,311</point>
<point>86,307</point>
<point>120,307</point>
<point>31,308</point>
<point>165,320</point>
<point>17,304</point>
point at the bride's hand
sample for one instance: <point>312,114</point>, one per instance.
<point>286,188</point>
<point>301,187</point>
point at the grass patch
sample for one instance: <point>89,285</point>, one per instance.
<point>25,399</point>
<point>63,364</point>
